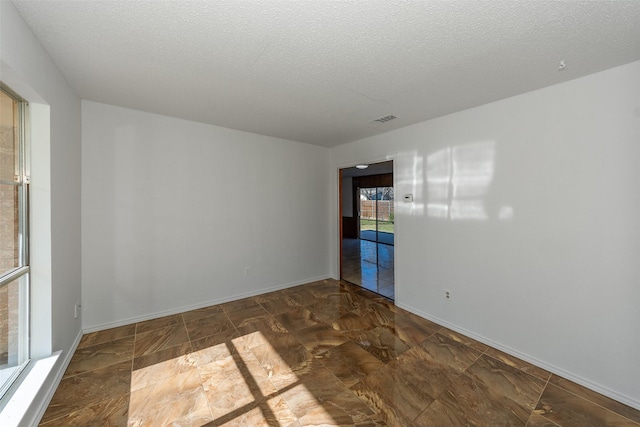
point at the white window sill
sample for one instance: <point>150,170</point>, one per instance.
<point>19,400</point>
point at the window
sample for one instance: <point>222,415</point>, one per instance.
<point>14,253</point>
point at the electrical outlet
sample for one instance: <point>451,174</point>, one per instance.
<point>447,295</point>
<point>246,271</point>
<point>76,310</point>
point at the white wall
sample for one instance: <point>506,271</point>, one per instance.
<point>527,210</point>
<point>55,242</point>
<point>174,212</point>
<point>55,251</point>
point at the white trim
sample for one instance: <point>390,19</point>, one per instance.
<point>629,401</point>
<point>182,309</point>
<point>28,400</point>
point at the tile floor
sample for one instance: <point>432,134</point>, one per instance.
<point>326,353</point>
<point>370,265</point>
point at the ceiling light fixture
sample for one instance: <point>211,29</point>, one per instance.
<point>362,166</point>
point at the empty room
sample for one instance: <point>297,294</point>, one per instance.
<point>319,213</point>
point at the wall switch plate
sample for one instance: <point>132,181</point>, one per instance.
<point>76,310</point>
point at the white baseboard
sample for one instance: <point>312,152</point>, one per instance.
<point>182,309</point>
<point>634,403</point>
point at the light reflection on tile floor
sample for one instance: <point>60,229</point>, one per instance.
<point>326,353</point>
<point>369,264</point>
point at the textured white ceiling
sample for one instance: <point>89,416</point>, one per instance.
<point>320,71</point>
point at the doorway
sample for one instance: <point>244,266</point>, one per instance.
<point>367,235</point>
<point>376,214</point>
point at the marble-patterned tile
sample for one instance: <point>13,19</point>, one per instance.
<point>319,381</point>
<point>597,398</point>
<point>348,286</point>
<point>214,353</point>
<point>365,304</point>
<point>176,400</point>
<point>199,313</point>
<point>419,366</point>
<point>381,343</point>
<point>447,351</point>
<point>162,322</point>
<point>536,420</point>
<point>298,318</point>
<point>350,363</point>
<point>507,381</point>
<point>396,400</point>
<point>373,296</point>
<point>381,301</point>
<point>344,301</point>
<point>108,413</point>
<point>90,388</point>
<point>352,322</point>
<point>410,331</point>
<point>281,303</point>
<point>377,315</point>
<point>343,408</point>
<point>268,296</point>
<point>348,404</point>
<point>214,347</point>
<point>319,338</point>
<point>306,395</point>
<point>211,325</point>
<point>241,304</point>
<point>264,331</point>
<point>324,288</point>
<point>568,410</point>
<point>302,295</point>
<point>421,321</point>
<point>325,311</point>
<point>158,366</point>
<point>100,355</point>
<point>245,316</point>
<point>107,335</point>
<point>270,412</point>
<point>295,370</point>
<point>518,363</point>
<point>285,364</point>
<point>463,339</point>
<point>234,382</point>
<point>160,339</point>
<point>470,402</point>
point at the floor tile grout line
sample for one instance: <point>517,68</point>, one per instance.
<point>84,407</point>
<point>538,400</point>
<point>522,369</point>
<point>271,316</point>
<point>64,377</point>
<point>103,342</point>
<point>193,351</point>
<point>517,369</point>
<point>594,403</point>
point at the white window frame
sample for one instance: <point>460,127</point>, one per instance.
<point>21,272</point>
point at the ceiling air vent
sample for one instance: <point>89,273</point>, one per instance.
<point>384,119</point>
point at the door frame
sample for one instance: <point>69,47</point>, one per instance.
<point>340,167</point>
